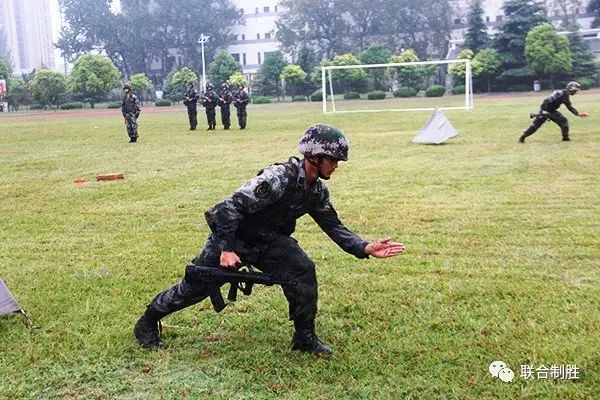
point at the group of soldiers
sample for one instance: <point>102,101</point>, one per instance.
<point>130,107</point>
<point>210,101</point>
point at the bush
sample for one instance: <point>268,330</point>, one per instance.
<point>36,106</point>
<point>405,91</point>
<point>71,105</point>
<point>376,95</point>
<point>114,104</point>
<point>298,98</point>
<point>260,100</point>
<point>316,96</point>
<point>586,83</point>
<point>520,87</point>
<point>459,89</point>
<point>435,91</point>
<point>162,103</point>
<point>351,95</point>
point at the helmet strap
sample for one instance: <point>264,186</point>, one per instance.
<point>318,165</point>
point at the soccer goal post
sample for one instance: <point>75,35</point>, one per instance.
<point>395,75</point>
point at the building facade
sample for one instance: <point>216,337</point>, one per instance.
<point>27,27</point>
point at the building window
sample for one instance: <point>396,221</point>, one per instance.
<point>256,10</point>
<point>244,58</point>
<point>259,60</point>
<point>275,8</point>
<point>242,10</point>
<point>258,35</point>
<point>487,19</point>
<point>499,18</point>
<point>266,9</point>
<point>457,21</point>
<point>268,35</point>
<point>243,36</point>
<point>236,57</point>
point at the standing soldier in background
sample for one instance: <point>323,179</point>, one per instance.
<point>210,101</point>
<point>549,111</point>
<point>190,99</point>
<point>130,108</point>
<point>241,100</point>
<point>225,100</point>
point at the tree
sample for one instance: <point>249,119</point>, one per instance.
<point>488,64</point>
<point>141,84</point>
<point>476,36</point>
<point>48,87</point>
<point>377,54</point>
<point>293,76</point>
<point>146,30</point>
<point>183,77</point>
<point>421,25</point>
<point>364,20</point>
<point>93,77</point>
<point>223,66</point>
<point>4,50</point>
<point>16,93</point>
<point>547,53</point>
<point>583,58</point>
<point>237,79</point>
<point>268,81</point>
<point>460,69</point>
<point>521,17</point>
<point>567,10</point>
<point>410,76</point>
<point>319,22</point>
<point>594,8</point>
<point>346,80</point>
<point>5,69</point>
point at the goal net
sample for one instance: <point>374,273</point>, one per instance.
<point>408,86</point>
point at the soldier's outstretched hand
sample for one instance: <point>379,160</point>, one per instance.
<point>583,115</point>
<point>384,248</point>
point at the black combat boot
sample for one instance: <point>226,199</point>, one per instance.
<point>147,330</point>
<point>566,139</point>
<point>522,139</point>
<point>306,340</point>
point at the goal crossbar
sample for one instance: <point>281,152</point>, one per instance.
<point>327,70</point>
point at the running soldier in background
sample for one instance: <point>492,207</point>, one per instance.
<point>130,108</point>
<point>210,101</point>
<point>549,111</point>
<point>190,100</point>
<point>240,102</point>
<point>225,100</point>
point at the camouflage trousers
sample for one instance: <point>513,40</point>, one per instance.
<point>211,116</point>
<point>225,116</point>
<point>242,115</point>
<point>276,254</point>
<point>193,117</point>
<point>555,117</point>
<point>131,121</point>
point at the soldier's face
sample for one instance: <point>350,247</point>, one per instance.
<point>572,92</point>
<point>328,166</point>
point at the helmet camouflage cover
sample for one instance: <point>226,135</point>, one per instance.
<point>573,86</point>
<point>127,85</point>
<point>324,140</point>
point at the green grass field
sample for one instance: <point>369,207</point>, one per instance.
<point>502,259</point>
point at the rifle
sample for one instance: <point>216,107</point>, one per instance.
<point>238,280</point>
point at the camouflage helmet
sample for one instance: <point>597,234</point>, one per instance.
<point>573,86</point>
<point>190,83</point>
<point>209,85</point>
<point>324,140</point>
<point>225,85</point>
<point>127,85</point>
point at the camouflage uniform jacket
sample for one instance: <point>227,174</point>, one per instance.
<point>272,202</point>
<point>190,97</point>
<point>554,101</point>
<point>241,98</point>
<point>210,100</point>
<point>130,105</point>
<point>225,98</point>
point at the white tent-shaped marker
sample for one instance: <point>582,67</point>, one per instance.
<point>437,129</point>
<point>8,304</point>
